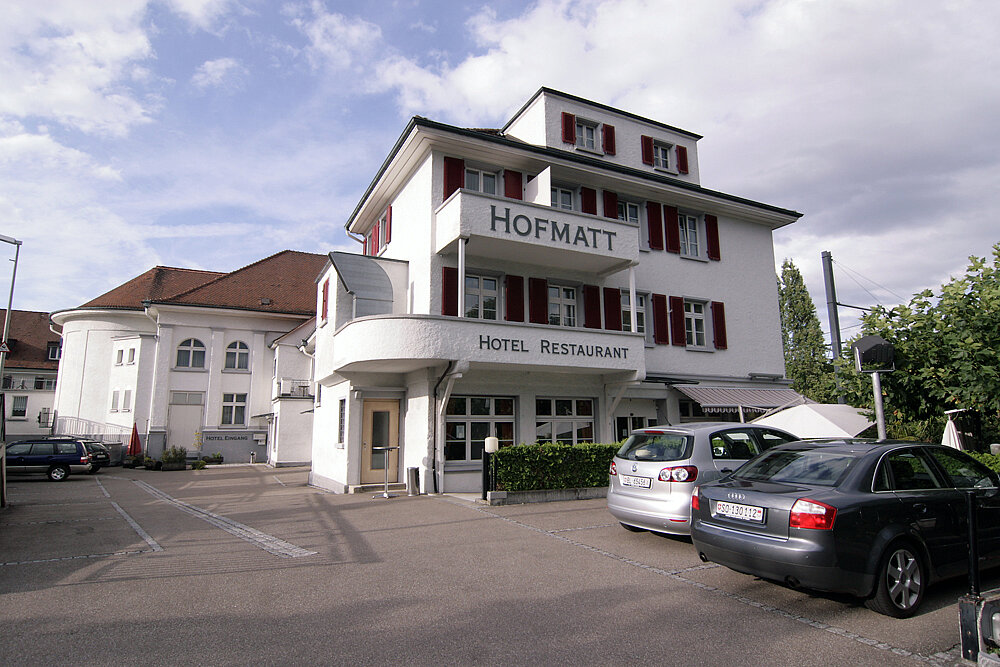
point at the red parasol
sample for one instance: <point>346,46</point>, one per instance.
<point>134,445</point>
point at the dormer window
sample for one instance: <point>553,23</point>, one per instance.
<point>481,181</point>
<point>562,198</point>
<point>661,155</point>
<point>54,351</point>
<point>586,134</point>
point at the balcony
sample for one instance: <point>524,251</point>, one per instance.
<point>290,388</point>
<point>404,343</point>
<point>516,231</point>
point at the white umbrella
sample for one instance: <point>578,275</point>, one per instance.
<point>818,420</point>
<point>950,437</point>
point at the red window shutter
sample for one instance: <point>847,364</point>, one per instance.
<point>661,333</point>
<point>712,237</point>
<point>719,325</point>
<point>512,187</point>
<point>454,175</point>
<point>610,205</point>
<point>588,200</point>
<point>647,150</point>
<point>374,243</point>
<point>568,128</point>
<point>677,332</point>
<point>326,298</point>
<point>612,309</point>
<point>449,291</point>
<point>592,306</point>
<point>654,225</point>
<point>682,159</point>
<point>673,231</point>
<point>608,139</point>
<point>388,224</point>
<point>514,299</point>
<point>364,246</point>
<point>538,301</point>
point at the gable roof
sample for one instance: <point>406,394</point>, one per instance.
<point>28,338</point>
<point>282,283</point>
<point>158,283</point>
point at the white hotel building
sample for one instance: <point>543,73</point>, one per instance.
<point>563,278</point>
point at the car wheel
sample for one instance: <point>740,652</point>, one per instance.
<point>58,473</point>
<point>902,581</point>
<point>93,470</point>
<point>634,529</point>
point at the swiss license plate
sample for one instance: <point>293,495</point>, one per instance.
<point>741,512</point>
<point>640,482</point>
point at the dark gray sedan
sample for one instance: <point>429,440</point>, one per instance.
<point>879,520</point>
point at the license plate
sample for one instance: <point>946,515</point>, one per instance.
<point>741,512</point>
<point>641,482</point>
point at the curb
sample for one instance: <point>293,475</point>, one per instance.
<point>544,496</point>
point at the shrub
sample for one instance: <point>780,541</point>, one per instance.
<point>552,466</point>
<point>174,455</point>
<point>198,465</point>
<point>992,461</point>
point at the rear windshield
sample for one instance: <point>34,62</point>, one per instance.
<point>810,466</point>
<point>656,447</point>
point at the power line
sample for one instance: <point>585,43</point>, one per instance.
<point>850,271</point>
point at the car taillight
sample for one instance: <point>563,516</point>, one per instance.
<point>695,502</point>
<point>679,474</point>
<point>811,514</point>
<point>614,469</point>
<point>85,459</point>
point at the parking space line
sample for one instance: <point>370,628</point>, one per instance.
<point>101,487</point>
<point>268,543</point>
<point>949,657</point>
<point>63,558</point>
<point>137,528</point>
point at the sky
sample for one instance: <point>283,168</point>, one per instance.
<point>209,134</point>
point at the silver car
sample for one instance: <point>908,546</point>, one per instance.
<point>654,472</point>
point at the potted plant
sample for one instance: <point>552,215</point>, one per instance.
<point>214,458</point>
<point>149,463</point>
<point>174,458</point>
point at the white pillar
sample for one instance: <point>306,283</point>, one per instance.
<point>461,277</point>
<point>631,299</point>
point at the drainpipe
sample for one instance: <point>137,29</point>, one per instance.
<point>454,372</point>
<point>434,428</point>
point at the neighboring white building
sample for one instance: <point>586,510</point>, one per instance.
<point>189,358</point>
<point>563,278</point>
<point>29,374</point>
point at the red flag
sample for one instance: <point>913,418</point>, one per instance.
<point>134,445</point>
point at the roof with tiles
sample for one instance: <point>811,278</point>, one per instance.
<point>160,282</point>
<point>28,338</point>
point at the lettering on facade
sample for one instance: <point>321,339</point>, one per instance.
<point>553,347</point>
<point>551,231</point>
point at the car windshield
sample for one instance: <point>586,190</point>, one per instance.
<point>656,447</point>
<point>798,466</point>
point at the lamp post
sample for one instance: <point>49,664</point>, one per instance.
<point>10,302</point>
<point>491,445</point>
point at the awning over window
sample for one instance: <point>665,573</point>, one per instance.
<point>366,281</point>
<point>733,399</point>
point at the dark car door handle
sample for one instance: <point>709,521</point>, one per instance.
<point>920,507</point>
<point>726,470</point>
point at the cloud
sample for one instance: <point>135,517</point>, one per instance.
<point>224,73</point>
<point>202,14</point>
<point>336,41</point>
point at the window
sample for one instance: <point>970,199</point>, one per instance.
<point>562,198</point>
<point>688,226</point>
<point>342,420</point>
<point>114,400</point>
<point>566,420</point>
<point>640,315</point>
<point>119,358</point>
<point>44,383</point>
<point>562,306</point>
<point>127,400</point>
<point>186,398</point>
<point>481,297</point>
<point>904,470</point>
<point>694,323</point>
<point>628,211</point>
<point>963,472</point>
<point>234,409</point>
<point>20,407</point>
<point>191,354</point>
<point>586,134</point>
<point>625,425</point>
<point>736,444</point>
<point>237,356</point>
<point>481,181</point>
<point>472,419</point>
<point>54,351</point>
<point>661,155</point>
<point>131,355</point>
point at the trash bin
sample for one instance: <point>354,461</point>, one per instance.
<point>413,481</point>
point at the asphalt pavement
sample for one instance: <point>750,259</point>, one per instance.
<point>248,565</point>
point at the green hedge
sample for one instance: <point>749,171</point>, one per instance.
<point>552,466</point>
<point>991,460</point>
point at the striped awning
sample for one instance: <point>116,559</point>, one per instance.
<point>733,399</point>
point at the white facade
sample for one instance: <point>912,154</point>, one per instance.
<point>540,236</point>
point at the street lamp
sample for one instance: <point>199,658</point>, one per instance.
<point>10,301</point>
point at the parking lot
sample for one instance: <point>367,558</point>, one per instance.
<point>242,564</point>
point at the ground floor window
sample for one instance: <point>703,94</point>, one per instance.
<point>20,407</point>
<point>469,420</point>
<point>625,425</point>
<point>234,407</point>
<point>566,420</point>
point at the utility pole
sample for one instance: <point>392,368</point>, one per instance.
<point>834,316</point>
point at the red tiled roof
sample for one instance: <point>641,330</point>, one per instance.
<point>158,283</point>
<point>28,338</point>
<point>282,283</point>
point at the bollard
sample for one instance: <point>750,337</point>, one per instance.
<point>413,481</point>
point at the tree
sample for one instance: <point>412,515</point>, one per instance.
<point>806,362</point>
<point>947,348</point>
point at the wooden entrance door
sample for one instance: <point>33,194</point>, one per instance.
<point>380,429</point>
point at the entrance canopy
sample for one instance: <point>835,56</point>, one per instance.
<point>740,399</point>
